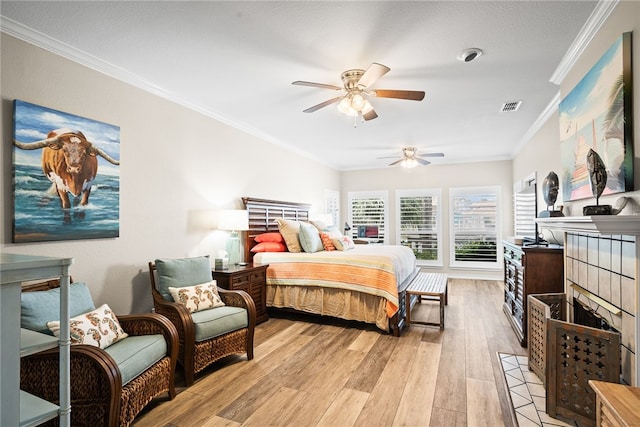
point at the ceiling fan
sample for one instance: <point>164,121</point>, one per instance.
<point>356,92</point>
<point>411,159</point>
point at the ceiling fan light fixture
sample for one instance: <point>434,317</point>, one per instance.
<point>345,107</point>
<point>409,163</point>
<point>354,104</point>
<point>357,102</point>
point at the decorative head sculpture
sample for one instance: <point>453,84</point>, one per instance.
<point>550,187</point>
<point>597,174</point>
<point>598,182</point>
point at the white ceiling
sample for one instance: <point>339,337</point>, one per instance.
<point>235,61</point>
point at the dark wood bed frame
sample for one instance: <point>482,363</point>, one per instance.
<point>263,212</point>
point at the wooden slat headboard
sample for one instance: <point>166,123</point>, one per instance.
<point>263,212</point>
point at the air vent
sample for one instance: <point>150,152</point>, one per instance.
<point>509,107</point>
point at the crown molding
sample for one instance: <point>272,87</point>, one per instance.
<point>597,18</point>
<point>546,114</point>
<point>38,39</point>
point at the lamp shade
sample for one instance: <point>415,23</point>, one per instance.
<point>233,220</point>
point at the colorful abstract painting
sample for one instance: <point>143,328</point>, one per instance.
<point>597,114</point>
<point>66,176</point>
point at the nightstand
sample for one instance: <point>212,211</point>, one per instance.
<point>249,278</point>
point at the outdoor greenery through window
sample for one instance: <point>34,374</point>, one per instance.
<point>474,226</point>
<point>368,209</point>
<point>419,224</point>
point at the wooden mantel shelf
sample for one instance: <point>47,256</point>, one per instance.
<point>600,224</point>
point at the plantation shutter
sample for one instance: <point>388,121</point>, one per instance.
<point>368,209</point>
<point>419,224</point>
<point>474,225</point>
<point>524,209</point>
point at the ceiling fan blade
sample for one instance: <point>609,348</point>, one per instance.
<point>431,155</point>
<point>312,84</point>
<point>422,161</point>
<point>323,104</point>
<point>396,162</point>
<point>373,73</point>
<point>370,115</point>
<point>412,95</point>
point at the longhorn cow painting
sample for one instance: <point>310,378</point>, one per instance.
<point>66,176</point>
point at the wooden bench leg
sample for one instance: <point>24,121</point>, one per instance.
<point>446,294</point>
<point>443,300</point>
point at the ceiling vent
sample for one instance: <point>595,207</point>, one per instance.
<point>509,107</point>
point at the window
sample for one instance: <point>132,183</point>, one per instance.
<point>368,208</point>
<point>418,224</point>
<point>474,227</point>
<point>332,205</point>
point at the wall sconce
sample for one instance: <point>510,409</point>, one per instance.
<point>234,221</point>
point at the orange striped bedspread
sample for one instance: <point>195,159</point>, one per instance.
<point>371,269</point>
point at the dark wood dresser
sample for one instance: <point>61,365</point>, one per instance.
<point>535,269</point>
<point>249,278</point>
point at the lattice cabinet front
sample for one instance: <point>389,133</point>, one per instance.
<point>577,354</point>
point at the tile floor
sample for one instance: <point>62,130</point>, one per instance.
<point>527,393</point>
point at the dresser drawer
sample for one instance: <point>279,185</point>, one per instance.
<point>257,278</point>
<point>240,281</point>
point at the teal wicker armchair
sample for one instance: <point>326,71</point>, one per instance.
<point>208,335</point>
<point>104,391</point>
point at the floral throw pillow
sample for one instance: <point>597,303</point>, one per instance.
<point>343,243</point>
<point>198,297</point>
<point>99,328</point>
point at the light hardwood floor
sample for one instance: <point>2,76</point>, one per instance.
<point>341,374</point>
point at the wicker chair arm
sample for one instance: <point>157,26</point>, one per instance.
<point>177,314</point>
<point>146,324</point>
<point>95,378</point>
<point>238,298</point>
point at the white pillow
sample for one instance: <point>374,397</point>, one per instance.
<point>310,238</point>
<point>343,243</point>
<point>99,328</point>
<point>198,297</point>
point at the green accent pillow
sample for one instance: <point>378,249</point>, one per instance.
<point>178,273</point>
<point>310,238</point>
<point>40,307</point>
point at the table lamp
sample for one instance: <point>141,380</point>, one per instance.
<point>234,221</point>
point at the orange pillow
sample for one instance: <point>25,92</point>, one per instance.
<point>269,247</point>
<point>326,242</point>
<point>269,237</point>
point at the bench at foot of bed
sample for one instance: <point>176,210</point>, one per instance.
<point>427,286</point>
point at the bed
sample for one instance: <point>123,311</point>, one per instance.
<point>365,284</point>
